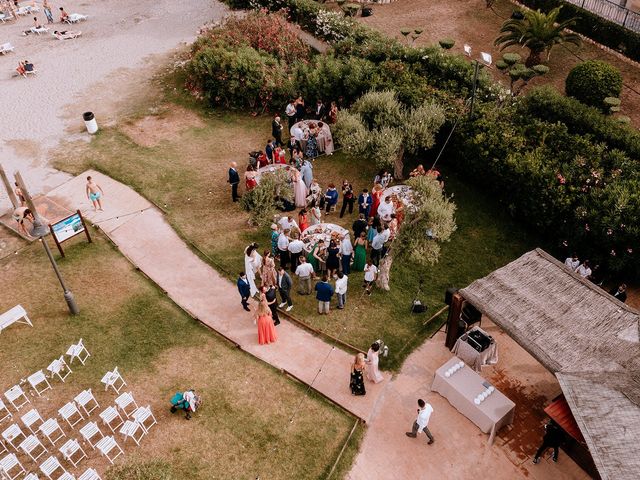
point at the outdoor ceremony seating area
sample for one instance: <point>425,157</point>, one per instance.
<point>31,445</point>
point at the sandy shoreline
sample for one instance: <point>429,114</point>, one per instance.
<point>122,42</point>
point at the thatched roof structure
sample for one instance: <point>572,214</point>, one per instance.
<point>587,338</point>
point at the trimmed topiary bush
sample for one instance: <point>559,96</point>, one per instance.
<point>511,58</point>
<point>593,81</point>
<point>447,43</point>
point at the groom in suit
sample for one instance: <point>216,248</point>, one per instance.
<point>234,180</point>
<point>245,290</point>
<point>285,284</point>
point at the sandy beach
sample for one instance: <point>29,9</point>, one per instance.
<point>122,43</point>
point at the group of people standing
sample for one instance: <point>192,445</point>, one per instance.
<point>594,275</point>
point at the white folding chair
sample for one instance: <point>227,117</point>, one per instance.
<point>3,448</point>
<point>32,420</point>
<point>37,379</point>
<point>4,412</point>
<point>111,418</point>
<point>10,463</point>
<point>89,474</point>
<point>86,401</point>
<point>127,404</point>
<point>132,430</point>
<point>89,432</point>
<point>60,368</point>
<point>13,435</point>
<point>50,466</point>
<point>69,412</point>
<point>106,446</point>
<point>67,476</point>
<point>78,351</point>
<point>14,395</point>
<point>31,476</point>
<point>73,452</point>
<point>33,447</point>
<point>51,429</point>
<point>114,380</point>
<point>145,418</point>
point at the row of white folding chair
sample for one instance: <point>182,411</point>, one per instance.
<point>114,380</point>
<point>11,466</point>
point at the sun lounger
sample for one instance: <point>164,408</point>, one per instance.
<point>22,11</point>
<point>67,36</point>
<point>40,30</point>
<point>75,18</point>
<point>5,17</point>
<point>6,48</point>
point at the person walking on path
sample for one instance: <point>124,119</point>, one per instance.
<point>94,193</point>
<point>276,131</point>
<point>552,439</point>
<point>304,271</point>
<point>324,292</point>
<point>284,286</point>
<point>244,289</point>
<point>341,289</point>
<point>358,368</point>
<point>271,299</point>
<point>422,422</point>
<point>266,330</point>
<point>373,373</point>
<point>234,180</point>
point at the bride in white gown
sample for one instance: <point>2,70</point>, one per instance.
<point>252,263</point>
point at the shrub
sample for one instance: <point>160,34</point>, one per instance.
<point>447,43</point>
<point>265,199</point>
<point>593,81</point>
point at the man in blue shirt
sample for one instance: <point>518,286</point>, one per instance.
<point>330,197</point>
<point>324,292</point>
<point>364,202</point>
<point>245,290</point>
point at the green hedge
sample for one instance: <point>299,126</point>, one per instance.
<point>593,26</point>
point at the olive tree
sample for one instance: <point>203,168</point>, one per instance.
<point>379,126</point>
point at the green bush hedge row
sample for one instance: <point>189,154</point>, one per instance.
<point>593,26</point>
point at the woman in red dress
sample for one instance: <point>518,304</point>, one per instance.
<point>250,181</point>
<point>303,220</point>
<point>266,328</point>
<point>399,208</point>
<point>375,197</point>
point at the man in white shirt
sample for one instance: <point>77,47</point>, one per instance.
<point>420,425</point>
<point>283,248</point>
<point>290,112</point>
<point>377,244</point>
<point>346,251</point>
<point>341,289</point>
<point>572,262</point>
<point>370,275</point>
<point>304,273</point>
<point>288,223</point>
<point>584,270</point>
<point>385,209</point>
<point>295,249</point>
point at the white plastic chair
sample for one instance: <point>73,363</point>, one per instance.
<point>127,404</point>
<point>145,418</point>
<point>107,445</point>
<point>33,447</point>
<point>114,380</point>
<point>73,452</point>
<point>50,466</point>
<point>60,368</point>
<point>37,379</point>
<point>14,395</point>
<point>13,435</point>
<point>133,430</point>
<point>78,351</point>
<point>86,401</point>
<point>31,476</point>
<point>89,432</point>
<point>4,412</point>
<point>51,429</point>
<point>9,463</point>
<point>30,419</point>
<point>111,418</point>
<point>89,474</point>
<point>69,411</point>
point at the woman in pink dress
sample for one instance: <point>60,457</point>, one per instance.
<point>372,372</point>
<point>266,328</point>
<point>268,270</point>
<point>376,195</point>
<point>299,188</point>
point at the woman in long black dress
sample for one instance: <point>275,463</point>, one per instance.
<point>333,262</point>
<point>357,376</point>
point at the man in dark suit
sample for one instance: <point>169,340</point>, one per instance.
<point>359,226</point>
<point>268,149</point>
<point>364,202</point>
<point>276,131</point>
<point>271,298</point>
<point>620,293</point>
<point>284,286</point>
<point>320,111</point>
<point>234,180</point>
<point>245,290</point>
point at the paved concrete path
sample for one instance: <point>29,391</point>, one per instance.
<point>143,235</point>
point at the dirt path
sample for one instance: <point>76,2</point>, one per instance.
<point>470,22</point>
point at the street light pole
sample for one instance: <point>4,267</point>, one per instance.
<point>40,230</point>
<point>475,83</point>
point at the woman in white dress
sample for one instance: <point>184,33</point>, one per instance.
<point>252,263</point>
<point>372,372</point>
<point>299,188</point>
<point>315,214</point>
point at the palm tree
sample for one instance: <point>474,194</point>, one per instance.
<point>537,31</point>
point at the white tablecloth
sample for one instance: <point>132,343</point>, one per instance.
<point>324,138</point>
<point>403,192</point>
<point>473,357</point>
<point>322,231</point>
<point>460,389</point>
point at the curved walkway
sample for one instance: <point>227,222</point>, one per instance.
<point>143,235</point>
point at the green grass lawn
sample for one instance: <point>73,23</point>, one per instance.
<point>243,430</point>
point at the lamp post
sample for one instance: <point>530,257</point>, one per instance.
<point>486,60</point>
<point>40,230</point>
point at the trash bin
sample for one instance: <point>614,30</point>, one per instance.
<point>90,122</point>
